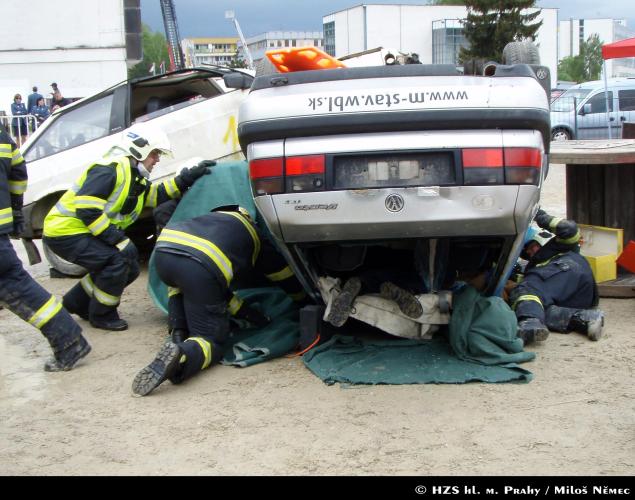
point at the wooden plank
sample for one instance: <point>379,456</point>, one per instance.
<point>622,287</point>
<point>602,152</point>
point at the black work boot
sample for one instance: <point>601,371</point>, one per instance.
<point>109,321</point>
<point>163,367</point>
<point>589,322</point>
<point>66,359</point>
<point>342,304</point>
<point>531,330</point>
<point>407,302</point>
<point>179,335</point>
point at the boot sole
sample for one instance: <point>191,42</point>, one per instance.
<point>343,304</point>
<point>118,328</point>
<point>156,372</point>
<point>406,301</point>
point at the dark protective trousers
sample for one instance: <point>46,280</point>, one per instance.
<point>567,282</point>
<point>23,296</point>
<point>109,272</point>
<point>200,308</point>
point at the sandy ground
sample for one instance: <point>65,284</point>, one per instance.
<point>575,418</point>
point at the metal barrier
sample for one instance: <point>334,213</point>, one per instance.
<point>581,118</point>
<point>16,125</point>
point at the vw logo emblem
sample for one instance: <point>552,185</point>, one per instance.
<point>541,74</point>
<point>394,202</point>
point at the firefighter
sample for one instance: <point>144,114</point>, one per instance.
<point>199,259</point>
<point>19,292</point>
<point>557,291</point>
<point>86,227</point>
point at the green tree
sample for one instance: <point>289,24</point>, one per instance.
<point>237,62</point>
<point>492,24</point>
<point>155,50</point>
<point>586,66</point>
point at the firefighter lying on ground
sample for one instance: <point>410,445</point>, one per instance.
<point>19,292</point>
<point>199,259</point>
<point>557,290</point>
<point>86,227</point>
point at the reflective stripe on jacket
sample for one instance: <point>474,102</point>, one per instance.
<point>13,181</point>
<point>129,190</point>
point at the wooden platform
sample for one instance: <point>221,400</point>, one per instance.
<point>623,287</point>
<point>600,182</point>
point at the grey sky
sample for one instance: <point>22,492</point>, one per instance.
<point>207,17</point>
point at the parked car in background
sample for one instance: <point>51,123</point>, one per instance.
<point>194,107</point>
<point>580,112</point>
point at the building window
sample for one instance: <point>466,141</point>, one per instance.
<point>329,38</point>
<point>447,40</point>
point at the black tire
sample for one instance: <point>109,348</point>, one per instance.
<point>521,53</point>
<point>561,135</point>
<point>63,266</point>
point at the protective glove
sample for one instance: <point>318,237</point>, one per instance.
<point>128,250</point>
<point>543,219</point>
<point>189,176</point>
<point>252,315</point>
<point>18,223</point>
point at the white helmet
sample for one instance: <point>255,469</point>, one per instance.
<point>141,139</point>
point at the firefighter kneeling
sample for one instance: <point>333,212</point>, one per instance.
<point>198,259</point>
<point>558,291</point>
<point>86,227</point>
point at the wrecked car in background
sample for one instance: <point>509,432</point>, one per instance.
<point>194,107</point>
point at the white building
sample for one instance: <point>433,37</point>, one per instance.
<point>431,31</point>
<point>271,40</point>
<point>210,50</point>
<point>83,46</point>
<point>574,31</point>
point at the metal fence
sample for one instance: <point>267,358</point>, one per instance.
<point>587,118</point>
<point>19,127</point>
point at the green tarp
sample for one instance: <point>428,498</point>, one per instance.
<point>351,360</point>
<point>482,347</point>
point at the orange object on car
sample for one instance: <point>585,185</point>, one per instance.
<point>302,59</point>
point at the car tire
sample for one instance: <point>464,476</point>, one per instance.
<point>62,266</point>
<point>560,135</point>
<point>524,52</point>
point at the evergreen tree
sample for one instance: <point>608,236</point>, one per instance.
<point>492,24</point>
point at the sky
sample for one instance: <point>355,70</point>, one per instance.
<point>206,18</point>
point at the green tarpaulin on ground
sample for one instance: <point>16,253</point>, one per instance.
<point>481,346</point>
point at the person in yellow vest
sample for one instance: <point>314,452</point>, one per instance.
<point>86,226</point>
<point>19,292</point>
<point>199,259</point>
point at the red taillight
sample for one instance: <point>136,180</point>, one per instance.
<point>483,166</point>
<point>483,158</point>
<point>302,165</point>
<point>486,166</point>
<point>522,165</point>
<point>305,173</point>
<point>267,176</point>
<point>269,167</point>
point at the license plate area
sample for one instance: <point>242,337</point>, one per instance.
<point>389,169</point>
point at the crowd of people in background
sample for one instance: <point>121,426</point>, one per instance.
<point>27,118</point>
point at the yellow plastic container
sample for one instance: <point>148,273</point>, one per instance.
<point>601,247</point>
